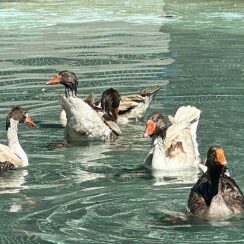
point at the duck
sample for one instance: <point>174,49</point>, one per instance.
<point>13,155</point>
<point>215,194</point>
<point>134,106</point>
<point>131,107</point>
<point>174,147</point>
<point>83,119</point>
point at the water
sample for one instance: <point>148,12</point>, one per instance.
<point>86,193</point>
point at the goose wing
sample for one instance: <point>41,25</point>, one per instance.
<point>231,194</point>
<point>7,155</point>
<point>84,120</point>
<point>114,127</point>
<point>129,102</point>
<point>80,116</point>
<point>196,203</point>
<point>181,135</point>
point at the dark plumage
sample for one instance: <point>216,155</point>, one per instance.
<point>4,166</point>
<point>66,78</point>
<point>19,114</point>
<point>110,100</point>
<point>215,193</point>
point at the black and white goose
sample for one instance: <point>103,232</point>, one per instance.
<point>13,155</point>
<point>215,193</point>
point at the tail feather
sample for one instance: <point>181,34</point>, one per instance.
<point>185,117</point>
<point>187,114</point>
<point>149,91</point>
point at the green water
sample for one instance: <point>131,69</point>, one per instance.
<point>86,193</point>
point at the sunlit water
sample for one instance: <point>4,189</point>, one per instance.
<point>90,192</point>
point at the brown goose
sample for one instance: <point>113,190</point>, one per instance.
<point>215,193</point>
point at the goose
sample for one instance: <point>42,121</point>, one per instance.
<point>83,119</point>
<point>13,155</point>
<point>174,147</point>
<point>131,107</point>
<point>215,194</point>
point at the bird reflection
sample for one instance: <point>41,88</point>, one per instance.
<point>13,181</point>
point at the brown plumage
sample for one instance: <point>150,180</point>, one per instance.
<point>215,193</point>
<point>110,102</point>
<point>66,78</point>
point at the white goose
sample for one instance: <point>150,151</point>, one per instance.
<point>174,147</point>
<point>13,155</point>
<point>84,120</point>
<point>131,106</point>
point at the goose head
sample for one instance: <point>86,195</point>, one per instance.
<point>155,125</point>
<point>216,164</point>
<point>66,78</point>
<point>20,115</point>
<point>110,101</point>
<point>216,158</point>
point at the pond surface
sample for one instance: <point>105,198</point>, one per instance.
<point>88,192</point>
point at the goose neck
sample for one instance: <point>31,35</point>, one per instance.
<point>13,141</point>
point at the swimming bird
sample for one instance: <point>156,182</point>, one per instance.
<point>215,193</point>
<point>84,119</point>
<point>174,147</point>
<point>13,155</point>
<point>131,107</point>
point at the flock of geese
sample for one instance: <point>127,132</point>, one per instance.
<point>173,147</point>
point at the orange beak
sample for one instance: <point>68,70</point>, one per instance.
<point>220,156</point>
<point>30,122</point>
<point>150,128</point>
<point>54,80</point>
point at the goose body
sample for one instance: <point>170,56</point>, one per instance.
<point>13,155</point>
<point>84,121</point>
<point>174,147</point>
<point>215,194</point>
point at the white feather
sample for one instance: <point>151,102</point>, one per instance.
<point>182,132</point>
<point>82,120</point>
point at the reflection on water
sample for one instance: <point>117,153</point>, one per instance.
<point>89,192</point>
<point>13,181</point>
<point>175,177</point>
